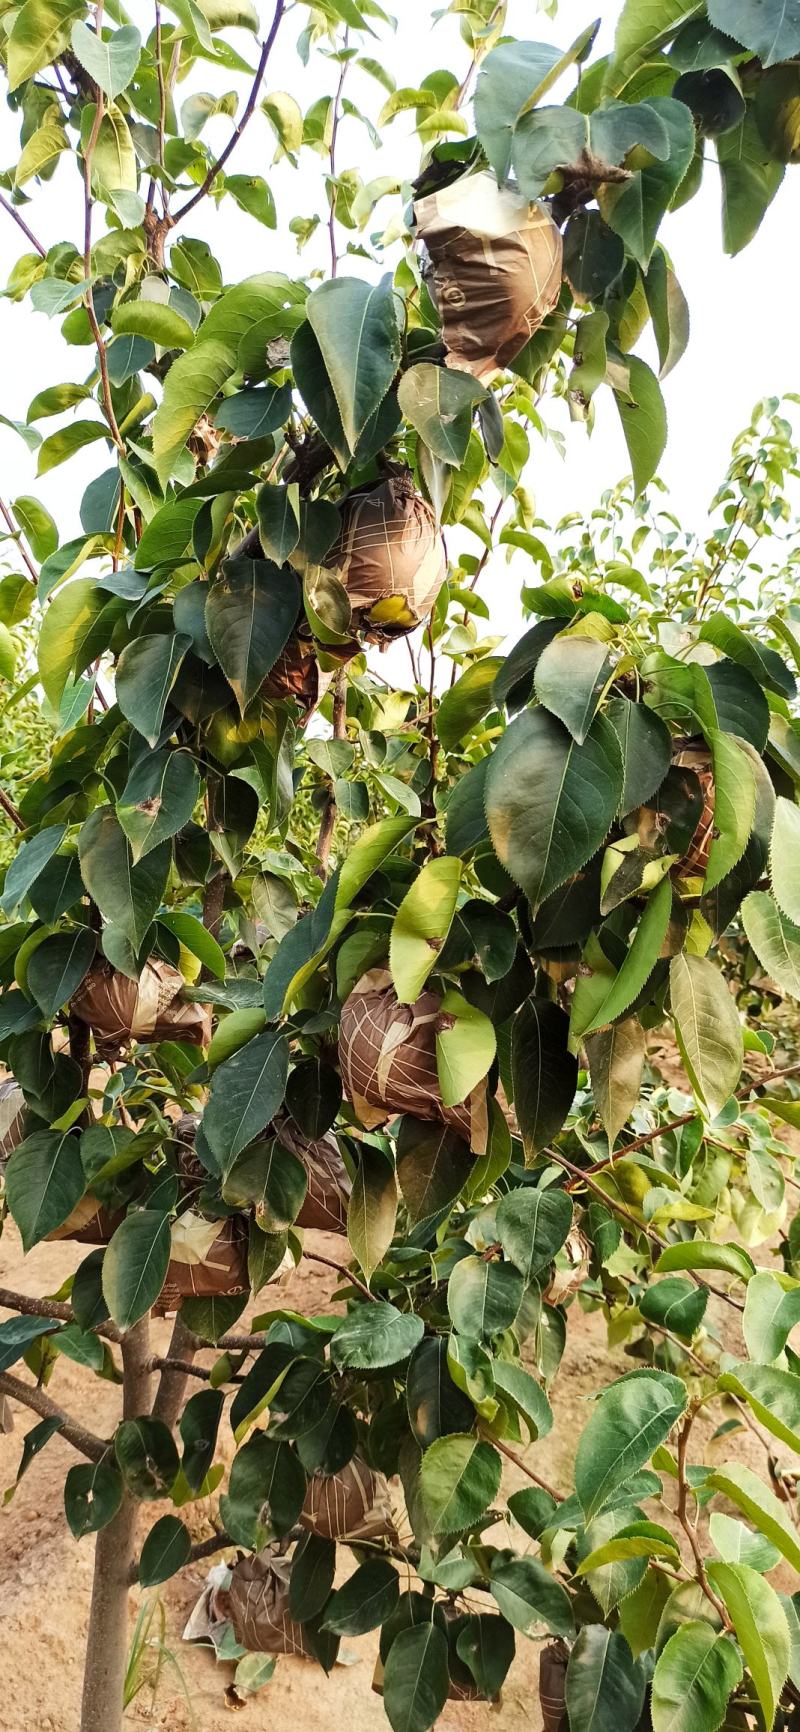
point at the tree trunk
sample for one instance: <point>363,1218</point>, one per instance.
<point>172,1384</point>
<point>107,1641</point>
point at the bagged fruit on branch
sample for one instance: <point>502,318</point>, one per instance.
<point>12,1118</point>
<point>297,674</point>
<point>496,269</point>
<point>150,1009</point>
<point>353,1504</point>
<point>679,819</point>
<point>387,1055</point>
<point>327,1195</point>
<point>390,557</point>
<point>258,1607</point>
<point>697,757</point>
<point>206,1260</point>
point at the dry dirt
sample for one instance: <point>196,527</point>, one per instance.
<point>45,1576</point>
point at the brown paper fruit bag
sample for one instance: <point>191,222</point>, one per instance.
<point>387,1055</point>
<point>496,269</point>
<point>150,1009</point>
<point>390,558</point>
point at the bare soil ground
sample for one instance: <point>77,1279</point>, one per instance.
<point>45,1576</point>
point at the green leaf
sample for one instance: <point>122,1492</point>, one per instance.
<point>434,1164</point>
<point>569,680</point>
<point>416,1678</point>
<point>421,925</point>
<point>459,1477</point>
<point>192,383</point>
<point>372,1209</point>
<point>524,1395</point>
<point>643,27</point>
<point>374,1336</point>
<point>466,702</point>
<point>265,1492</point>
<point>146,672</point>
<point>440,403</point>
<point>483,1298</point>
<point>253,195</point>
<point>37,525</point>
<point>44,1182</point>
<point>761,1629</point>
<point>770,1315</point>
<point>155,320</point>
<point>39,33</point>
<point>634,208</point>
<point>135,1265</point>
<point>695,1675</point>
<point>366,1600</point>
<point>270,1179</point>
<point>528,1595</point>
<point>512,76</point>
<point>165,1551</point>
<point>669,311</point>
<point>739,1545</point>
<point>770,29</point>
<point>750,180</point>
<point>199,1424</point>
<point>783,858</point>
<point>743,1488</point>
<point>62,445</point>
<point>707,1029</point>
<point>278,520</point>
<point>28,864</point>
<point>466,1045</point>
<point>605,1686</point>
<point>73,634</point>
<point>593,255</point>
<point>639,963</point>
<point>146,1456</point>
<point>58,966</point>
<point>532,1226</point>
<point>734,806</point>
<point>311,1580</point>
<point>773,1395</point>
<point>486,1645</point>
<point>18,1333</point>
<point>129,896</point>
<point>616,1058</point>
<point>702,1254</point>
<point>357,328</point>
<point>92,1496</point>
<point>110,60</point>
<point>158,799</point>
<point>250,612</point>
<point>246,1092</point>
<point>549,801</point>
<point>544,1072</point>
<point>644,421</point>
<point>677,1305</point>
<point>627,1424</point>
<point>765,665</point>
<point>436,1407</point>
<point>253,413</point>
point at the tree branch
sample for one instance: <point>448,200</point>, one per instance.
<point>204,1549</point>
<point>523,1466</point>
<point>23,225</point>
<point>685,1119</point>
<point>217,166</point>
<point>15,530</point>
<point>55,1308</point>
<point>84,1441</point>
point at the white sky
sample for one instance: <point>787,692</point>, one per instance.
<point>744,342</point>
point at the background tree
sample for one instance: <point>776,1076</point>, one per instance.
<point>398,977</point>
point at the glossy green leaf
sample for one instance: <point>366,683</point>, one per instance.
<point>374,1336</point>
<point>544,1072</point>
<point>416,1678</point>
<point>165,1551</point>
<point>605,1686</point>
<point>146,672</point>
<point>466,702</point>
<point>616,1058</point>
<point>569,679</point>
<point>770,1315</point>
<point>528,1595</point>
<point>459,1477</point>
<point>483,1298</point>
<point>466,1045</point>
<point>44,1182</point>
<point>762,1631</point>
<point>250,612</point>
<point>440,403</point>
<point>365,1600</point>
<point>644,421</point>
<point>742,1487</point>
<point>627,1424</point>
<point>92,1496</point>
<point>372,1209</point>
<point>357,328</point>
<point>135,1265</point>
<point>532,1226</point>
<point>549,801</point>
<point>775,939</point>
<point>127,895</point>
<point>246,1092</point>
<point>421,925</point>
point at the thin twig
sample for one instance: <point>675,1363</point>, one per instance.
<point>11,811</point>
<point>81,1439</point>
<point>523,1467</point>
<point>15,530</point>
<point>682,1514</point>
<point>182,1365</point>
<point>217,166</point>
<point>351,1279</point>
<point>684,1119</point>
<point>332,157</point>
<point>23,225</point>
